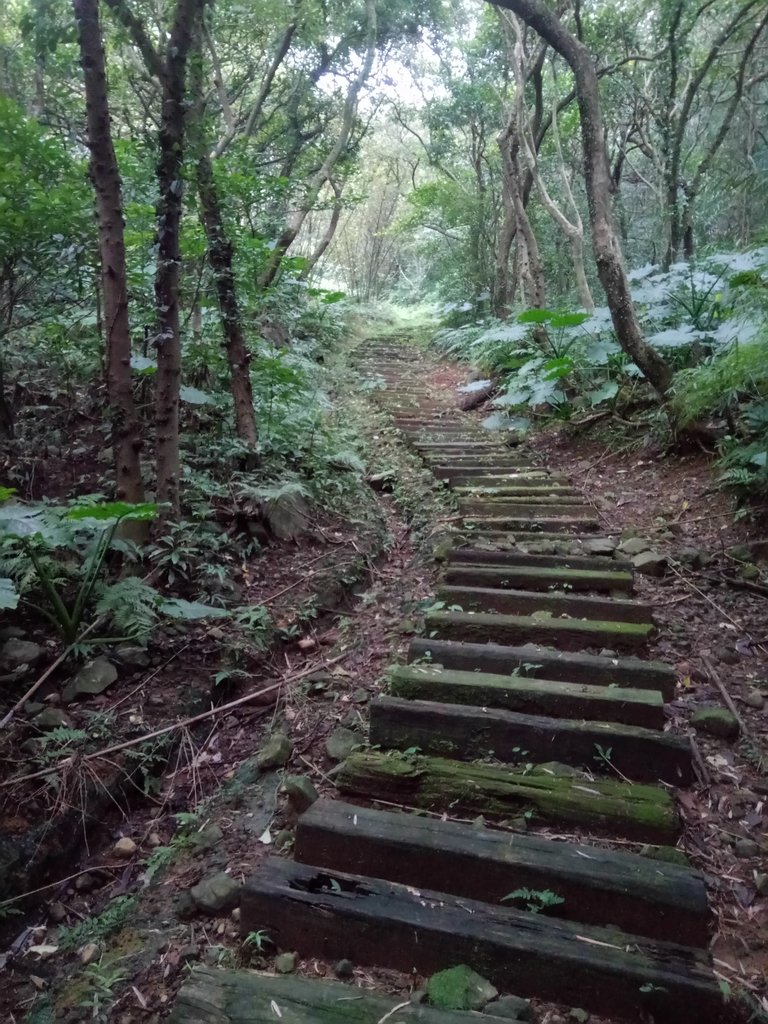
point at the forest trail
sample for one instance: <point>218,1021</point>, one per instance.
<point>526,702</point>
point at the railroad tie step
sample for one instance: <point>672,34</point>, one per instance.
<point>537,661</point>
<point>330,914</point>
<point>472,473</point>
<point>543,522</point>
<point>494,559</point>
<point>597,886</point>
<point>527,602</point>
<point>537,577</point>
<point>554,698</point>
<point>635,811</point>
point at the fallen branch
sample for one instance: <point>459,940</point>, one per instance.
<point>183,724</point>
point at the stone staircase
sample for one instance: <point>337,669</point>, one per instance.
<point>506,709</point>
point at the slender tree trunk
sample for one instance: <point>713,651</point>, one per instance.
<point>105,176</point>
<point>509,147</point>
<point>328,235</point>
<point>605,240</point>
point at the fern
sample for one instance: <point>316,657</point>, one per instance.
<point>131,605</point>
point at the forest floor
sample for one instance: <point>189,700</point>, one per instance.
<point>116,937</point>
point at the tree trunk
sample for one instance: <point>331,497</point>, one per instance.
<point>509,147</point>
<point>105,177</point>
<point>329,233</point>
<point>220,258</point>
<point>605,240</point>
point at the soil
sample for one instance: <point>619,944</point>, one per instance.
<point>213,810</point>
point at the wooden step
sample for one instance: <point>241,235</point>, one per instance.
<point>551,697</point>
<point>467,475</point>
<point>535,508</point>
<point>469,733</point>
<point>540,662</point>
<point>485,504</point>
<point>483,628</point>
<point>332,915</point>
<point>600,887</point>
<point>544,524</point>
<point>525,602</point>
<point>598,563</point>
<point>635,811</point>
<point>537,577</point>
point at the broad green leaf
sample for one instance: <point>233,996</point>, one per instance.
<point>194,396</point>
<point>569,319</point>
<point>144,366</point>
<point>177,608</point>
<point>330,297</point>
<point>760,459</point>
<point>113,510</point>
<point>536,316</point>
<point>554,369</point>
<point>6,493</point>
<point>602,394</point>
<point>9,596</point>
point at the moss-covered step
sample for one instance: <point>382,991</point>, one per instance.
<point>541,522</point>
<point>537,577</point>
<point>526,602</point>
<point>210,995</point>
<point>533,507</point>
<point>499,488</point>
<point>502,460</point>
<point>596,886</point>
<point>538,662</point>
<point>466,733</point>
<point>640,812</point>
<point>551,697</point>
<point>493,558</point>
<point>330,914</point>
<point>516,540</point>
<point>486,502</point>
<point>468,476</point>
<point>539,628</point>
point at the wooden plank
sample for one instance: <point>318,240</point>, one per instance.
<point>549,697</point>
<point>333,915</point>
<point>545,525</point>
<point>524,602</point>
<point>542,662</point>
<point>644,813</point>
<point>534,577</point>
<point>463,475</point>
<point>597,886</point>
<point>480,556</point>
<point>510,628</point>
<point>538,507</point>
<point>211,995</point>
<point>469,733</point>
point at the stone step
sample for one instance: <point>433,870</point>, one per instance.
<point>513,490</point>
<point>533,696</point>
<point>330,914</point>
<point>212,995</point>
<point>469,733</point>
<point>451,470</point>
<point>480,556</point>
<point>535,507</point>
<point>533,577</point>
<point>510,540</point>
<point>545,524</point>
<point>597,886</point>
<point>541,662</point>
<point>525,602</point>
<point>505,499</point>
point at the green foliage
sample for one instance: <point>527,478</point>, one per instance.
<point>536,900</point>
<point>93,929</point>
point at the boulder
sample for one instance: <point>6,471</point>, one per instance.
<point>92,679</point>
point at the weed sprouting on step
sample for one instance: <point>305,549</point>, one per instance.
<point>536,900</point>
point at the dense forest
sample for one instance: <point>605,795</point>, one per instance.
<point>208,210</point>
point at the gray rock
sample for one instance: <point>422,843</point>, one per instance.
<point>11,633</point>
<point>274,752</point>
<point>716,722</point>
<point>599,546</point>
<point>634,546</point>
<point>754,699</point>
<point>727,656</point>
<point>360,696</point>
<point>510,1008</point>
<point>460,988</point>
<point>57,912</point>
<point>341,742</point>
<point>285,963</point>
<point>216,893</point>
<point>124,847</point>
<point>745,848</point>
<point>131,656</point>
<point>579,1015</point>
<point>207,838</point>
<point>693,557</point>
<point>649,563</point>
<point>300,792</point>
<point>284,839</point>
<point>92,679</point>
<point>52,718</point>
<point>14,654</point>
<point>344,969</point>
<point>761,884</point>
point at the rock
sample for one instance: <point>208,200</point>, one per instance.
<point>124,848</point>
<point>754,699</point>
<point>93,678</point>
<point>341,742</point>
<point>694,557</point>
<point>274,752</point>
<point>216,893</point>
<point>580,1016</point>
<point>510,1008</point>
<point>214,955</point>
<point>360,696</point>
<point>649,563</point>
<point>86,882</point>
<point>606,652</point>
<point>52,718</point>
<point>300,792</point>
<point>131,656</point>
<point>16,654</point>
<point>154,839</point>
<point>284,839</point>
<point>206,838</point>
<point>188,954</point>
<point>556,769</point>
<point>761,884</point>
<point>727,655</point>
<point>285,963</point>
<point>459,988</point>
<point>57,912</point>
<point>668,854</point>
<point>598,546</point>
<point>344,969</point>
<point>33,707</point>
<point>634,546</point>
<point>744,848</point>
<point>716,722</point>
<point>12,633</point>
<point>89,953</point>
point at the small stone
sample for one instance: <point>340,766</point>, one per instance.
<point>649,563</point>
<point>340,743</point>
<point>52,718</point>
<point>33,707</point>
<point>460,988</point>
<point>92,679</point>
<point>754,699</point>
<point>15,654</point>
<point>716,722</point>
<point>86,882</point>
<point>131,656</point>
<point>634,546</point>
<point>188,954</point>
<point>599,546</point>
<point>154,839</point>
<point>510,1008</point>
<point>344,969</point>
<point>57,912</point>
<point>216,893</point>
<point>214,954</point>
<point>579,1015</point>
<point>285,963</point>
<point>744,848</point>
<point>300,792</point>
<point>284,839</point>
<point>606,652</point>
<point>694,557</point>
<point>207,838</point>
<point>274,752</point>
<point>360,696</point>
<point>124,847</point>
<point>761,884</point>
<point>89,953</point>
<point>727,655</point>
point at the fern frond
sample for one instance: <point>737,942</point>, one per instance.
<point>132,606</point>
